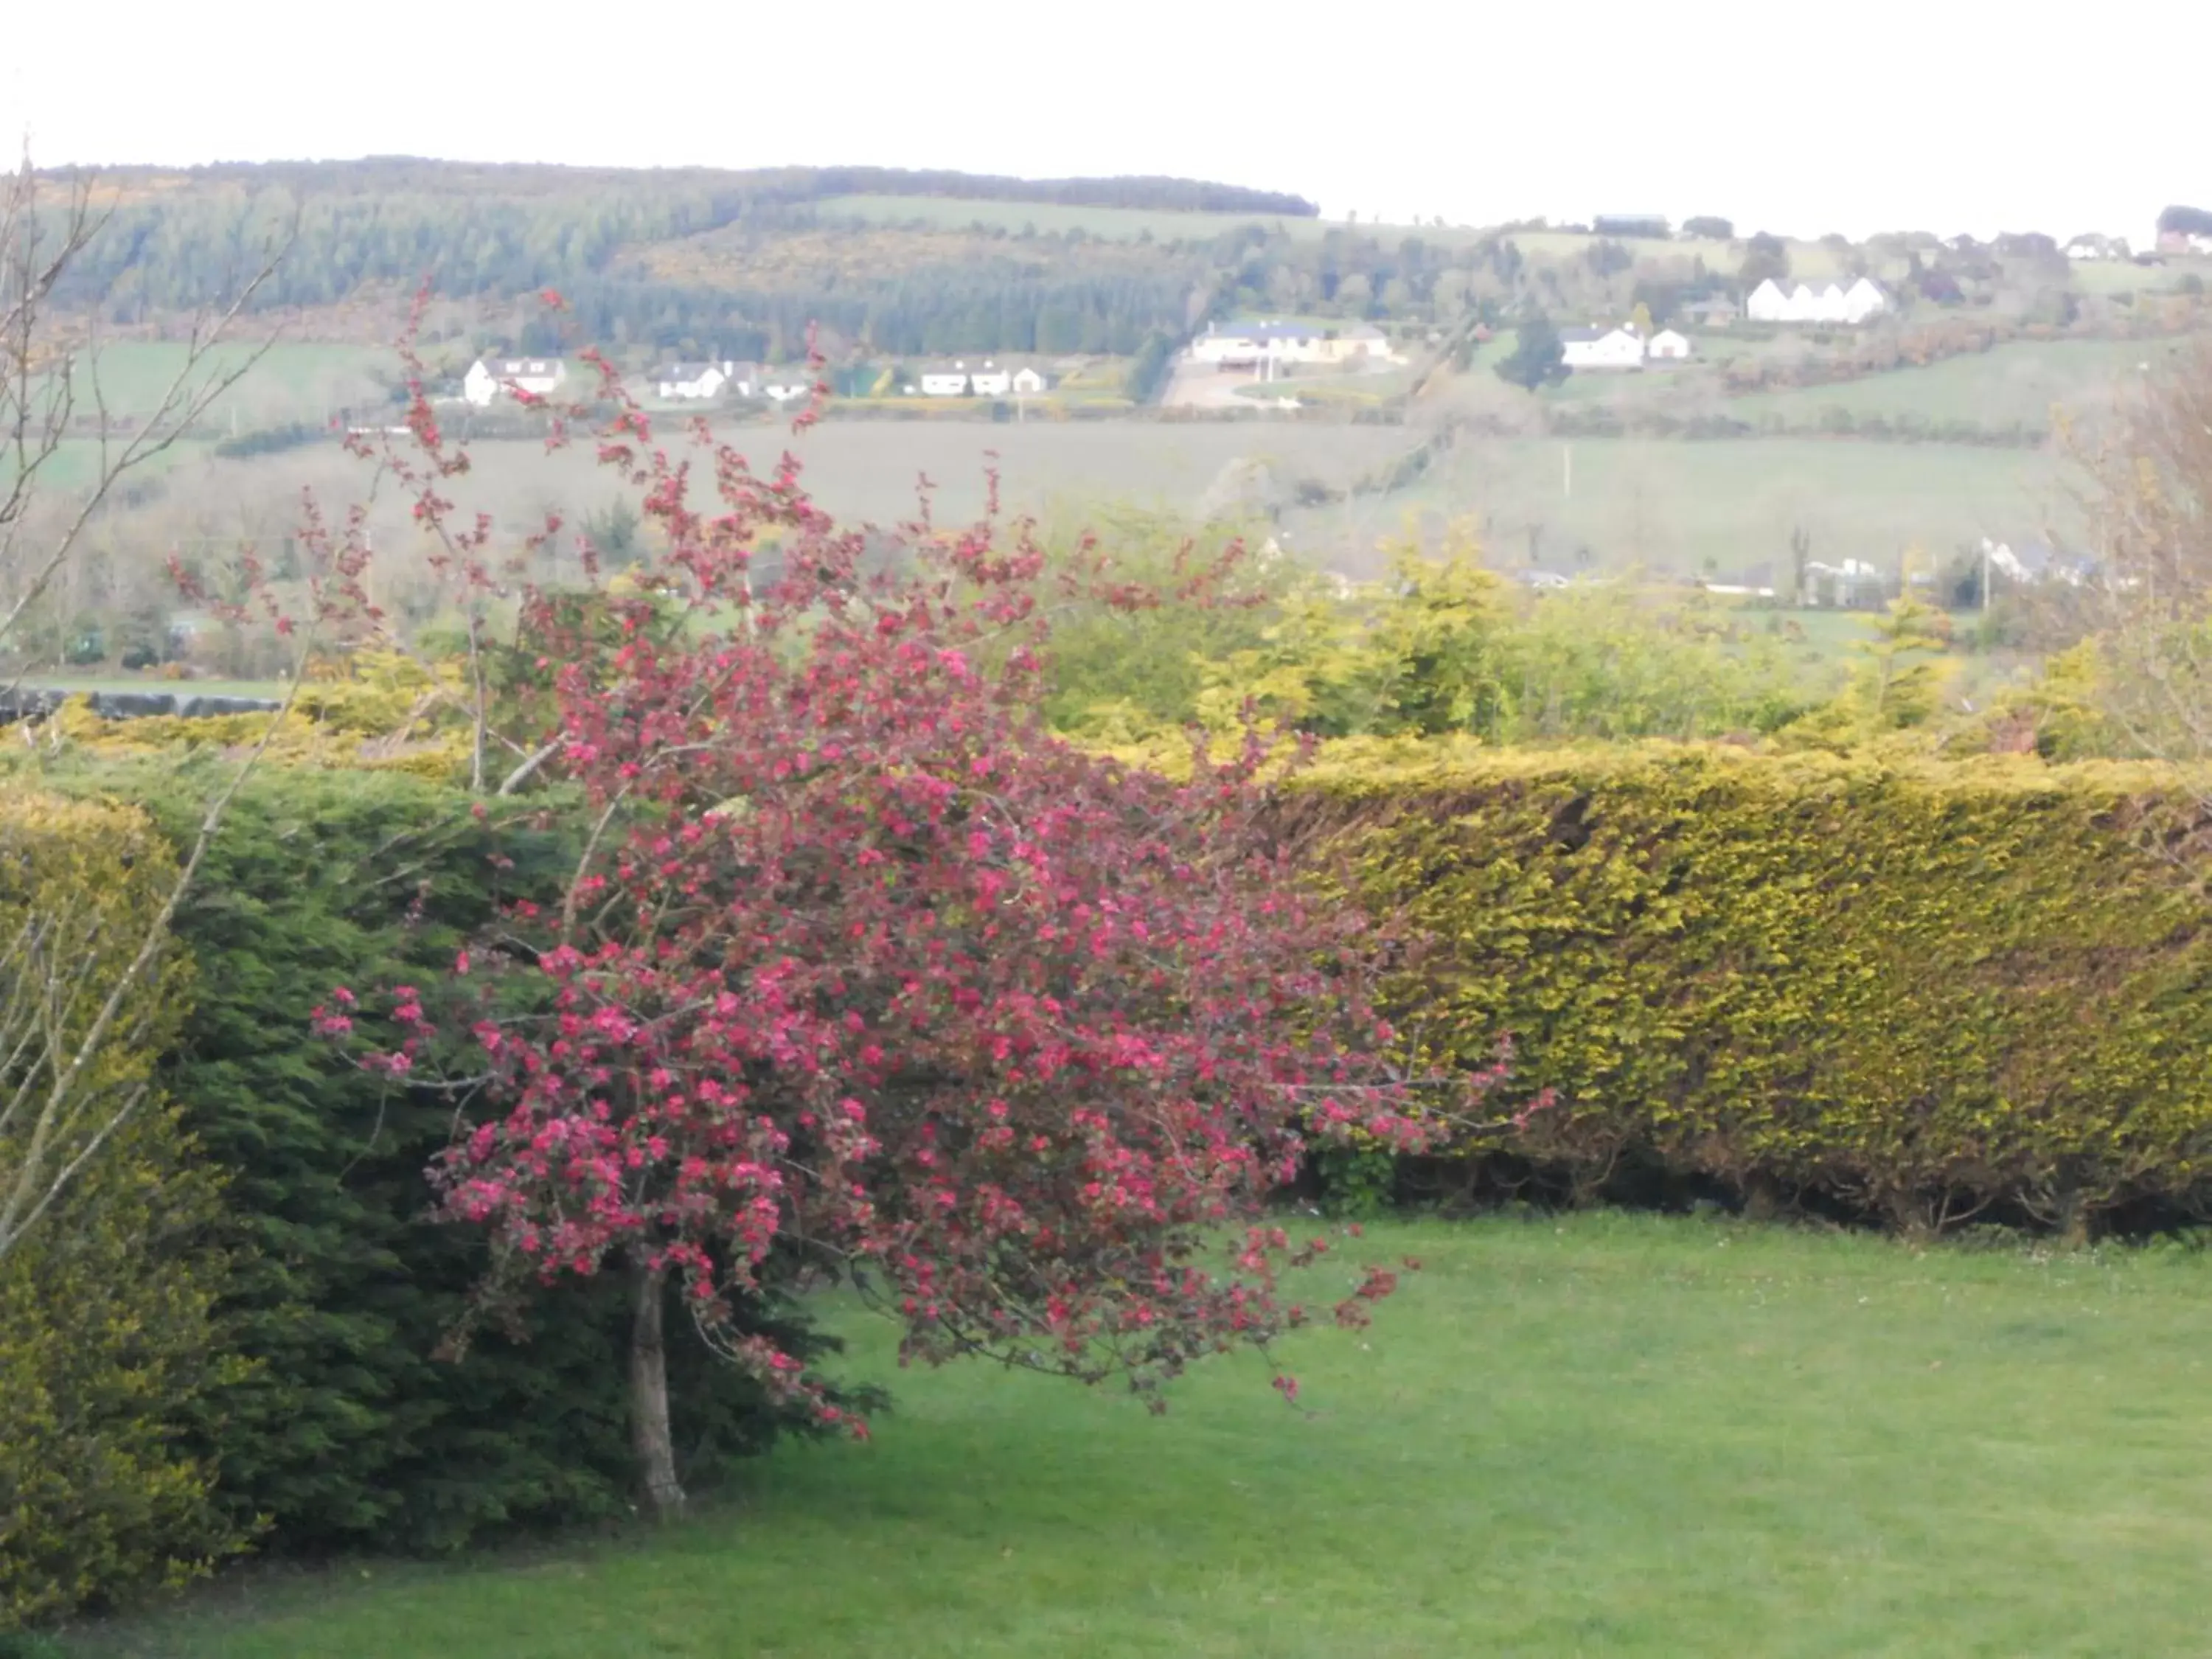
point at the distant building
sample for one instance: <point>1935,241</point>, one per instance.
<point>788,386</point>
<point>1754,581</point>
<point>700,380</point>
<point>989,380</point>
<point>944,380</point>
<point>1710,310</point>
<point>489,379</point>
<point>1248,343</point>
<point>2032,563</point>
<point>1852,584</point>
<point>1861,302</point>
<point>1668,345</point>
<point>1601,347</point>
<point>1028,382</point>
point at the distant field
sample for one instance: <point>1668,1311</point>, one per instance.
<point>2019,382</point>
<point>291,381</point>
<point>76,463</point>
<point>1808,260</point>
<point>1669,506</point>
<point>1674,505</point>
<point>1118,224</point>
<point>870,469</point>
<point>2126,276</point>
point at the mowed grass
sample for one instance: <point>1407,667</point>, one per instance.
<point>1606,1434</point>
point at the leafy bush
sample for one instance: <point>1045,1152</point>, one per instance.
<point>1917,988</point>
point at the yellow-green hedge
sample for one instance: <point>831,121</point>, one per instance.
<point>1921,987</point>
<point>106,1300</point>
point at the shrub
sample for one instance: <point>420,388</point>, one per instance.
<point>1917,988</point>
<point>349,1431</point>
<point>105,1337</point>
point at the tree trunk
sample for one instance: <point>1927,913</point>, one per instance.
<point>649,1400</point>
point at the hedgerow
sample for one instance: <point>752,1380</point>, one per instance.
<point>108,1340</point>
<point>1917,988</point>
<point>350,1429</point>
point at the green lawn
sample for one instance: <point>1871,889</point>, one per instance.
<point>1610,1436</point>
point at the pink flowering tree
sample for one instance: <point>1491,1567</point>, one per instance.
<point>861,963</point>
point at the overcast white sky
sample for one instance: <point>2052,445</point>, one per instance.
<point>1945,115</point>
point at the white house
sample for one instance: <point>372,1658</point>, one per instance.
<point>787,386</point>
<point>942,382</point>
<point>1028,383</point>
<point>1843,584</point>
<point>700,380</point>
<point>1601,347</point>
<point>1247,343</point>
<point>1769,303</point>
<point>1754,581</point>
<point>2035,562</point>
<point>486,382</point>
<point>1669,346</point>
<point>989,380</point>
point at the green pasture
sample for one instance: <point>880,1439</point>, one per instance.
<point>2020,382</point>
<point>1682,507</point>
<point>288,379</point>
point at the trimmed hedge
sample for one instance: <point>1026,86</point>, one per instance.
<point>1918,989</point>
<point>108,1341</point>
<point>350,1433</point>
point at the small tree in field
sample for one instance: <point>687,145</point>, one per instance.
<point>862,964</point>
<point>1538,359</point>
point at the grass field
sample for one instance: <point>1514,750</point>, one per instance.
<point>1606,1436</point>
<point>2022,382</point>
<point>76,463</point>
<point>2126,276</point>
<point>1673,506</point>
<point>1667,506</point>
<point>291,380</point>
<point>869,469</point>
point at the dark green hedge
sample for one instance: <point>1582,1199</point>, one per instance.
<point>351,1433</point>
<point>1921,990</point>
